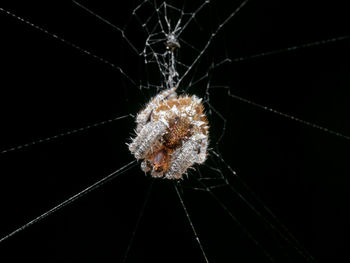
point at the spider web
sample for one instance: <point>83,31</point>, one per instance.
<point>277,158</point>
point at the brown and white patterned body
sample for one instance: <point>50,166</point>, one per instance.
<point>171,135</point>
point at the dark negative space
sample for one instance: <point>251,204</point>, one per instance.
<point>299,172</point>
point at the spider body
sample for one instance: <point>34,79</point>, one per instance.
<point>171,135</point>
<point>172,43</point>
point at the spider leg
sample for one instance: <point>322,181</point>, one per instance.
<point>144,116</point>
<point>182,159</point>
<point>202,155</point>
<point>144,140</point>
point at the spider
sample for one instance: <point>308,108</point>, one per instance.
<point>172,43</point>
<point>171,135</point>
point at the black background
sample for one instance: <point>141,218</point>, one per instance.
<point>299,172</point>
